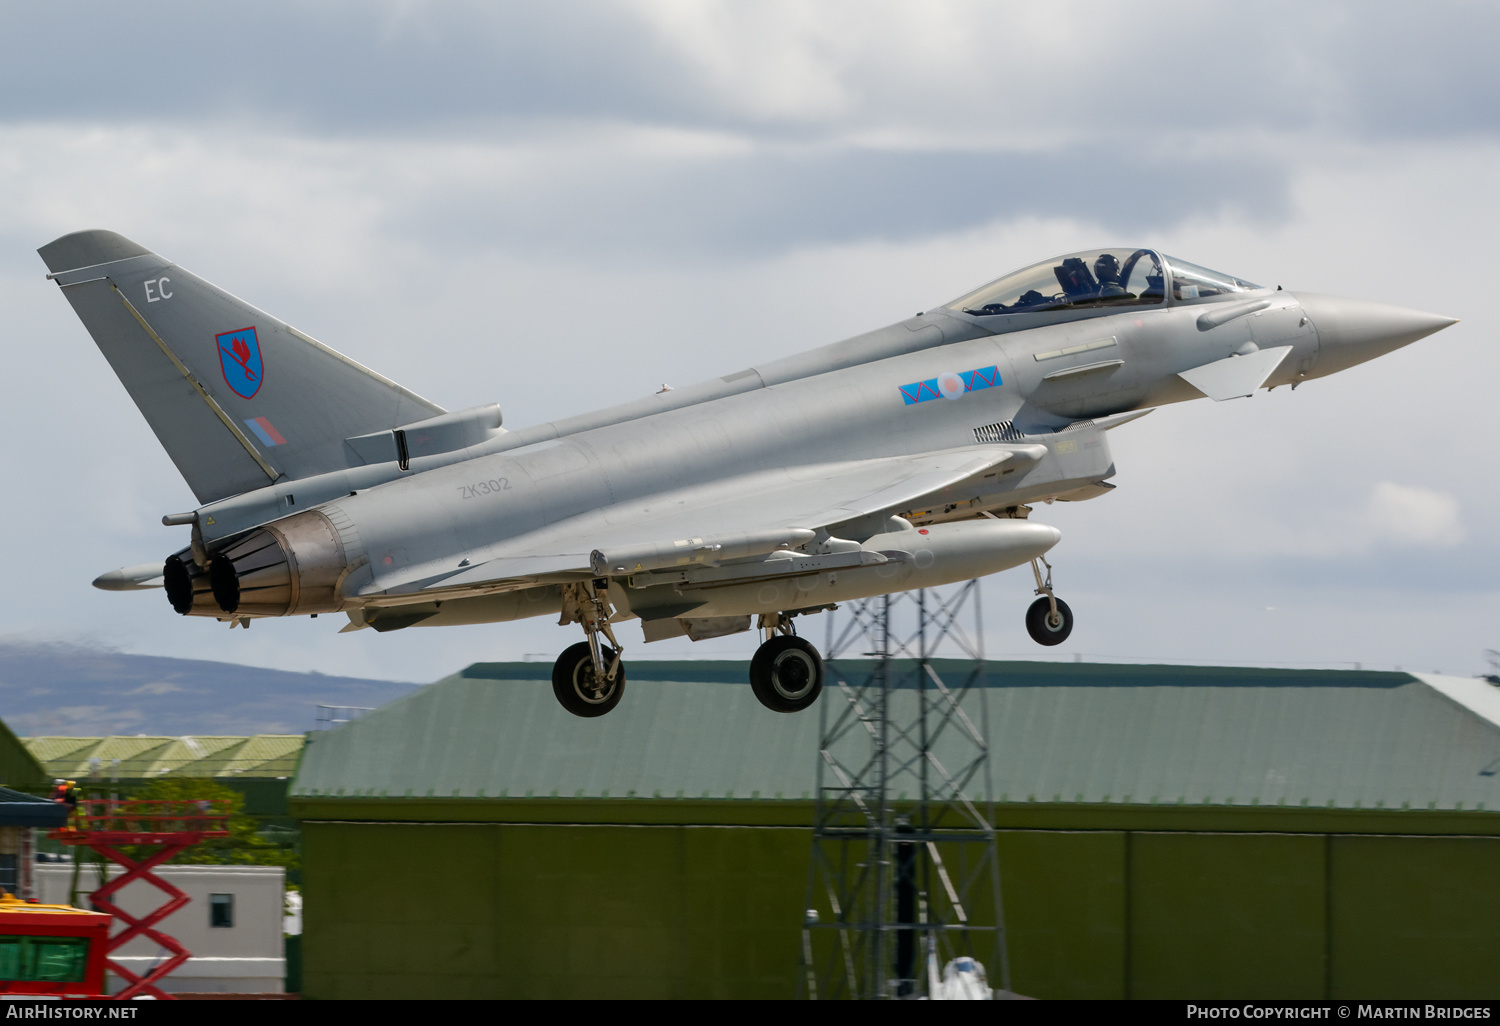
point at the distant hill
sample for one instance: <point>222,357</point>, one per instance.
<point>73,691</point>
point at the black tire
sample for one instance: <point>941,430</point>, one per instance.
<point>574,684</point>
<point>1040,627</point>
<point>786,674</point>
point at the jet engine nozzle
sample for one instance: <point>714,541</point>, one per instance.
<point>187,586</point>
<point>1351,331</point>
<point>289,567</point>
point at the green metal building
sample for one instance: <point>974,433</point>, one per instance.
<point>21,813</point>
<point>19,769</point>
<point>1164,832</point>
<point>259,766</point>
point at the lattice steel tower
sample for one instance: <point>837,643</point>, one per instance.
<point>904,874</point>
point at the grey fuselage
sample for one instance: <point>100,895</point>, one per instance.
<point>899,459</point>
<point>535,490</point>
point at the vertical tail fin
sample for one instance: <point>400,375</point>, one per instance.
<point>237,398</point>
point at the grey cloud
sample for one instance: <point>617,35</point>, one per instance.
<point>341,67</point>
<point>1132,120</point>
<point>1364,69</point>
<point>769,200</point>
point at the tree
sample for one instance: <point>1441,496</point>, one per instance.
<point>243,847</point>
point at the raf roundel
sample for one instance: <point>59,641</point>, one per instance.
<point>239,359</point>
<point>950,385</point>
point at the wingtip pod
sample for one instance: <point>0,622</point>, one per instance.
<point>143,577</point>
<point>87,248</point>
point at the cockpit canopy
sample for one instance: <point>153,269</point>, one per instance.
<point>1099,278</point>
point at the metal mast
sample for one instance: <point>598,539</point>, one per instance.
<point>904,874</point>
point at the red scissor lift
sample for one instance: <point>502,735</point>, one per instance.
<point>105,825</point>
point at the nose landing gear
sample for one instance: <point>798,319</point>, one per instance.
<point>786,673</point>
<point>589,678</point>
<point>1049,621</point>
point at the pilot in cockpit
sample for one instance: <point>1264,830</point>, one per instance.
<point>1082,287</point>
<point>1107,273</point>
<point>1095,278</point>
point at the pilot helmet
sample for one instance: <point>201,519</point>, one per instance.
<point>1107,267</point>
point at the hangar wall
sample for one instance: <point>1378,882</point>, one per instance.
<point>508,910</point>
<point>551,911</point>
<point>1305,834</point>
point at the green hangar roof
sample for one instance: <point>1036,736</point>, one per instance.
<point>122,757</point>
<point>1062,735</point>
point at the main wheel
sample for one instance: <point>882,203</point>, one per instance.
<point>786,674</point>
<point>1045,630</point>
<point>580,690</point>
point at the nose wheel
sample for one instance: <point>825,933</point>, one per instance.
<point>786,673</point>
<point>1049,621</point>
<point>1047,627</point>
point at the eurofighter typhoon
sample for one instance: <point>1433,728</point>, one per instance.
<point>904,458</point>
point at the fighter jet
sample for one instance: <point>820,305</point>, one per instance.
<point>908,457</point>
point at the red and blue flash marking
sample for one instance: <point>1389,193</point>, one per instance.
<point>264,431</point>
<point>973,381</point>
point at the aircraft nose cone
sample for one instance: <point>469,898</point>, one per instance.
<point>1351,331</point>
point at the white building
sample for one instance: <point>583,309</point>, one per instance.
<point>232,925</point>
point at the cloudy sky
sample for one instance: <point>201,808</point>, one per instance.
<point>560,205</point>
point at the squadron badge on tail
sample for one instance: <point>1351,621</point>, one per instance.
<point>239,359</point>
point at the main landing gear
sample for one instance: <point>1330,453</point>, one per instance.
<point>578,684</point>
<point>1049,621</point>
<point>787,672</point>
<point>589,678</point>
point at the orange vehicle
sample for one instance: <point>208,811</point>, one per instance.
<point>51,949</point>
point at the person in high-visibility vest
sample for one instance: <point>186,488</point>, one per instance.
<point>65,792</point>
